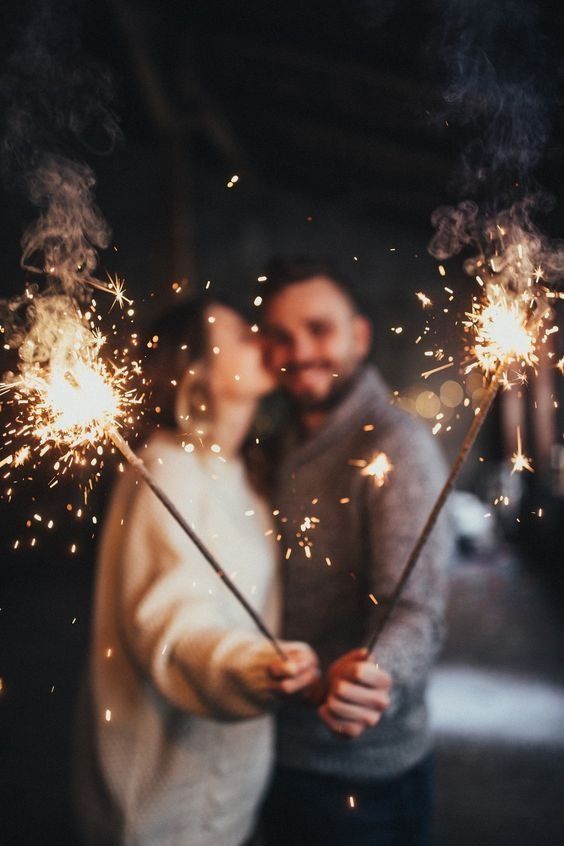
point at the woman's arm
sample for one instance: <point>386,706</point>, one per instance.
<point>173,623</point>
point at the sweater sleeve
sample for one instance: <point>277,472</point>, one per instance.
<point>171,606</point>
<point>397,512</point>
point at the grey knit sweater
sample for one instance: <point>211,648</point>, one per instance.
<point>356,550</point>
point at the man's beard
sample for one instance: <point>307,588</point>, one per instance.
<point>339,390</point>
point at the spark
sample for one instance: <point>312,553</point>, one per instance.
<point>423,299</point>
<point>560,365</point>
<point>379,468</point>
<point>507,381</point>
<point>428,373</point>
<point>519,460</point>
<point>117,288</point>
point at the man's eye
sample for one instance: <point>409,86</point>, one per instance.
<point>318,330</point>
<point>277,337</point>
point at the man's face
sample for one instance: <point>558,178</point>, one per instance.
<point>314,340</point>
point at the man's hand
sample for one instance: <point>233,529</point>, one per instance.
<point>298,672</point>
<point>357,694</point>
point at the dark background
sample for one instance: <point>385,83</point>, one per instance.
<point>332,116</point>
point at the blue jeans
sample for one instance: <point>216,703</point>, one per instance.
<point>307,809</point>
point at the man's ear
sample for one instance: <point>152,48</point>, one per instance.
<point>362,335</point>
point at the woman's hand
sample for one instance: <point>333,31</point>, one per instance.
<point>296,673</point>
<point>357,692</point>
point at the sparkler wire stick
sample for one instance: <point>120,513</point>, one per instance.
<point>486,404</point>
<point>141,468</point>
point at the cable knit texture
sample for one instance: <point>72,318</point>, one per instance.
<point>359,547</point>
<point>181,744</point>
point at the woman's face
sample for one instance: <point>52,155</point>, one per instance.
<point>235,358</point>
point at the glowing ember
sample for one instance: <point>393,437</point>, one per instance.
<point>22,456</point>
<point>520,461</point>
<point>379,468</point>
<point>74,405</point>
<point>423,299</point>
<point>504,330</point>
<point>65,395</point>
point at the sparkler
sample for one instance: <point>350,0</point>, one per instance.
<point>140,467</point>
<point>505,326</point>
<point>74,400</point>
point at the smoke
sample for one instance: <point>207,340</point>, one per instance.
<point>64,239</point>
<point>55,107</point>
<point>497,90</point>
<point>507,244</point>
<point>54,326</point>
<point>498,96</point>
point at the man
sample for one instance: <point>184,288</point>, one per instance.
<point>361,774</point>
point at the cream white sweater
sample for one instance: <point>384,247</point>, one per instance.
<point>178,681</point>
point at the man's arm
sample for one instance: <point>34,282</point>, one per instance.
<point>358,691</point>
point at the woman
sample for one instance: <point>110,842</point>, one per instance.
<point>181,681</point>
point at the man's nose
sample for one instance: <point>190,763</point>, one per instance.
<point>302,348</point>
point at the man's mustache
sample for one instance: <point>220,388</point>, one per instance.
<point>294,367</point>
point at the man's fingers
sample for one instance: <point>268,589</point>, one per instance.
<point>360,654</point>
<point>341,728</point>
<point>356,694</point>
<point>368,674</point>
<point>340,710</point>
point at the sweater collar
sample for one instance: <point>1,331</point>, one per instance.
<point>368,390</point>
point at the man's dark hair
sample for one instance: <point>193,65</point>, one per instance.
<point>282,272</point>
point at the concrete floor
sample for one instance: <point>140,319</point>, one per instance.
<point>497,700</point>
